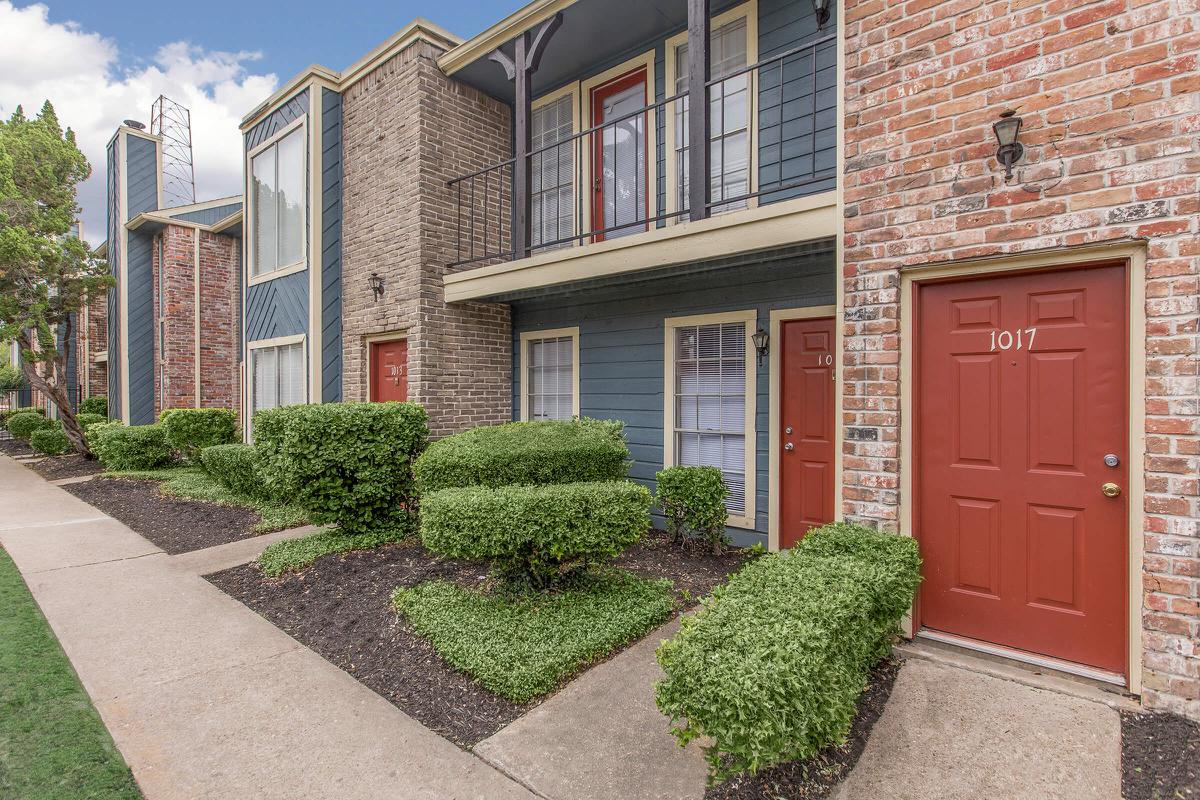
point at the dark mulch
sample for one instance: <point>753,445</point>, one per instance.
<point>340,607</point>
<point>68,466</point>
<point>15,447</point>
<point>1160,757</point>
<point>175,525</point>
<point>813,778</point>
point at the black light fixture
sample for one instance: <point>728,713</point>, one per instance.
<point>821,10</point>
<point>376,284</point>
<point>760,339</point>
<point>1010,150</point>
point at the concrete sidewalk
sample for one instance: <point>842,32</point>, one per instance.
<point>204,698</point>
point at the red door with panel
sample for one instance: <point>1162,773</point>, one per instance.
<point>806,430</point>
<point>1021,463</point>
<point>389,371</point>
<point>620,182</point>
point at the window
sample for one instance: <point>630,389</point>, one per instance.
<point>551,374</point>
<point>711,402</point>
<point>279,375</point>
<point>278,202</point>
<point>553,189</point>
<point>729,113</point>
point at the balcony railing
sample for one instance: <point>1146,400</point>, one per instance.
<point>628,174</point>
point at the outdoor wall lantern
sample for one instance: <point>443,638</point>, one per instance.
<point>376,284</point>
<point>760,340</point>
<point>1010,150</point>
<point>821,9</point>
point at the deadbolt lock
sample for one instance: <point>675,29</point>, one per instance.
<point>788,430</point>
<point>1110,490</point>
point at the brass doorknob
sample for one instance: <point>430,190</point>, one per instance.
<point>789,447</point>
<point>1110,490</point>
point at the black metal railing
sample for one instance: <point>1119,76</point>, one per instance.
<point>792,108</point>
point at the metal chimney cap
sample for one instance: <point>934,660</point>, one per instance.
<point>133,123</point>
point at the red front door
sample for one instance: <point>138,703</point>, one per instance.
<point>620,187</point>
<point>806,430</point>
<point>1021,421</point>
<point>389,371</point>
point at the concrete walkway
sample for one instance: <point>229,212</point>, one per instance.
<point>204,698</point>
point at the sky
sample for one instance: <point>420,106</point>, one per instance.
<point>100,62</point>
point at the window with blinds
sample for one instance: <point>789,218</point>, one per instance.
<point>278,201</point>
<point>710,403</point>
<point>550,378</point>
<point>553,195</point>
<point>279,376</point>
<point>729,114</point>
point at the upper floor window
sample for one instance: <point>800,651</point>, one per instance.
<point>553,189</point>
<point>278,194</point>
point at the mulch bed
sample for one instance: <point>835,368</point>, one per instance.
<point>174,524</point>
<point>1160,757</point>
<point>813,778</point>
<point>68,466</point>
<point>340,607</point>
<point>15,447</point>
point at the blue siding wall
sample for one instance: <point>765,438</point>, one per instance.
<point>293,109</point>
<point>209,216</point>
<point>142,186</point>
<point>331,246</point>
<point>277,308</point>
<point>621,344</point>
<point>113,229</point>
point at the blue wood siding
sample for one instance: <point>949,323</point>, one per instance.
<point>113,229</point>
<point>277,120</point>
<point>331,246</point>
<point>210,216</point>
<point>142,188</point>
<point>621,344</point>
<point>277,308</point>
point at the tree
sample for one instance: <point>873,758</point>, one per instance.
<point>46,274</point>
<point>11,380</point>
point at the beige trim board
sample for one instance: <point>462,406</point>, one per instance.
<point>277,341</point>
<point>196,313</point>
<point>769,226</point>
<point>750,318</point>
<point>1134,254</point>
<point>503,31</point>
<point>550,333</point>
<point>775,380</point>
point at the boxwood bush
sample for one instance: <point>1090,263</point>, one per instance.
<point>346,463</point>
<point>234,466</point>
<point>86,420</point>
<point>96,404</point>
<point>546,451</point>
<point>50,440</point>
<point>189,430</point>
<point>129,448</point>
<point>22,424</point>
<point>534,533</point>
<point>771,666</point>
<point>693,501</point>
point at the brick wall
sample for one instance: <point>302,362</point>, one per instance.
<point>220,270</point>
<point>1109,94</point>
<point>407,130</point>
<point>91,338</point>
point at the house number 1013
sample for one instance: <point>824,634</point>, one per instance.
<point>1020,338</point>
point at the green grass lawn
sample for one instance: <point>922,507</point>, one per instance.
<point>296,554</point>
<point>524,647</point>
<point>52,742</point>
<point>191,482</point>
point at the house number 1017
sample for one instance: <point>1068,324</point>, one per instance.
<point>1006,340</point>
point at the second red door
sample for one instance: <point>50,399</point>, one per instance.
<point>806,429</point>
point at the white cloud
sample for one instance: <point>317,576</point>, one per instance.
<point>82,74</point>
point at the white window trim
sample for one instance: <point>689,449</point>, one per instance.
<point>298,266</point>
<point>552,333</point>
<point>570,90</point>
<point>248,377</point>
<point>750,318</point>
<point>749,11</point>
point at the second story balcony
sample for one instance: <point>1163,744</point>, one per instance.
<point>614,111</point>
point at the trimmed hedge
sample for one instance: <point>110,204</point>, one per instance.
<point>345,463</point>
<point>97,404</point>
<point>86,420</point>
<point>190,430</point>
<point>545,451</point>
<point>50,441</point>
<point>129,448</point>
<point>533,532</point>
<point>693,501</point>
<point>234,466</point>
<point>771,666</point>
<point>22,424</point>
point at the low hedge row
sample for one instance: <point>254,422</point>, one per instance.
<point>134,447</point>
<point>771,666</point>
<point>50,440</point>
<point>541,452</point>
<point>234,466</point>
<point>22,424</point>
<point>190,430</point>
<point>97,404</point>
<point>533,533</point>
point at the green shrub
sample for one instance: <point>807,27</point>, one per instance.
<point>693,501</point>
<point>771,666</point>
<point>22,424</point>
<point>50,440</point>
<point>86,420</point>
<point>96,404</point>
<point>190,430</point>
<point>539,452</point>
<point>535,533</point>
<point>135,447</point>
<point>346,463</point>
<point>234,466</point>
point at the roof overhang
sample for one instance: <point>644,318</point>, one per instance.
<point>504,31</point>
<point>154,221</point>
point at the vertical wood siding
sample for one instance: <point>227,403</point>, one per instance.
<point>331,246</point>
